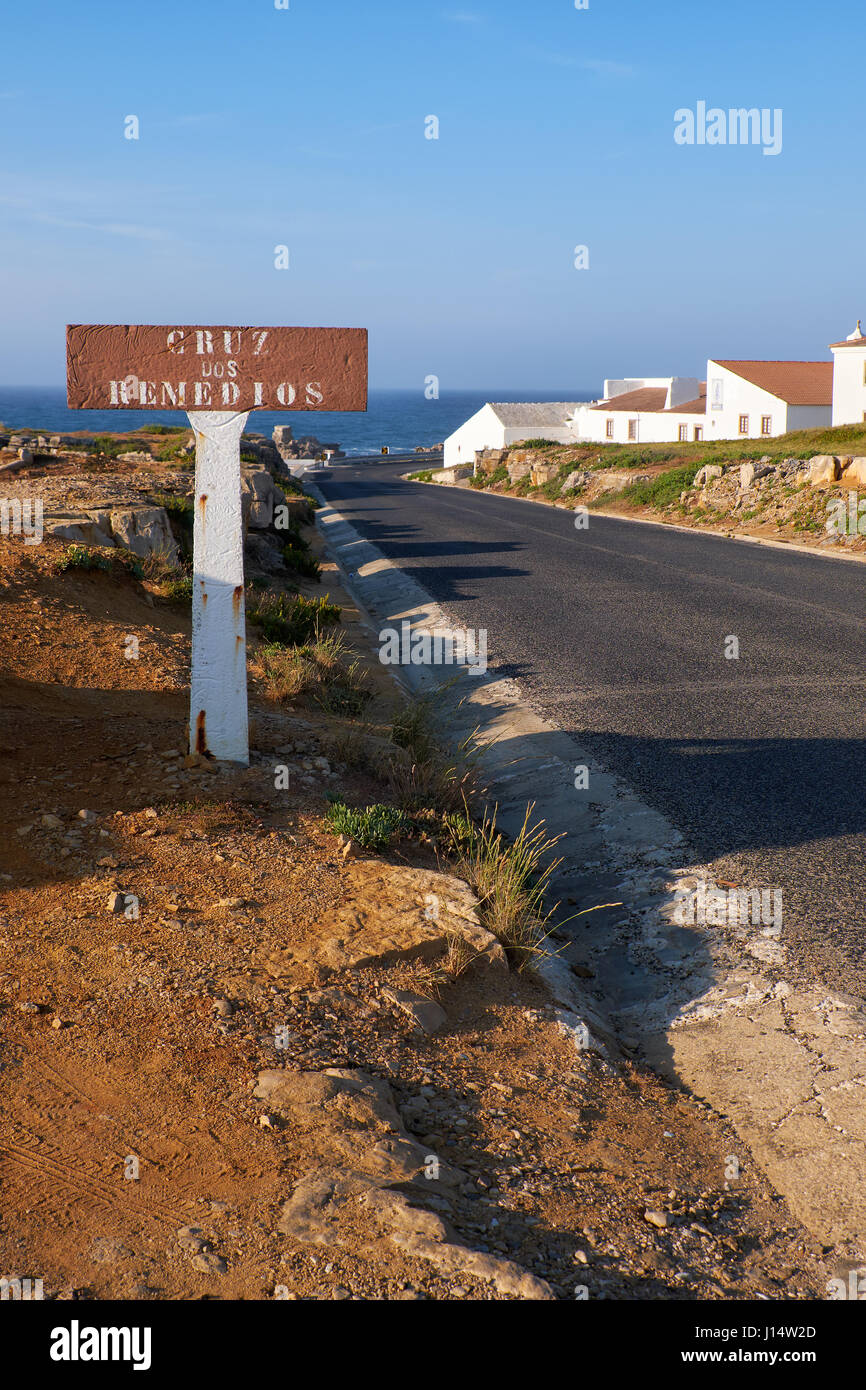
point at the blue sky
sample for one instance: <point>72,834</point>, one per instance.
<point>305,127</point>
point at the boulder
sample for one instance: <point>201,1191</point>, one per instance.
<point>258,495</point>
<point>706,474</point>
<point>144,531</point>
<point>856,471</point>
<point>282,435</point>
<point>488,460</point>
<point>541,473</point>
<point>616,479</point>
<point>452,475</point>
<point>751,472</point>
<point>517,469</point>
<point>25,455</point>
<point>263,554</point>
<point>80,530</point>
<point>823,470</point>
<point>575,479</point>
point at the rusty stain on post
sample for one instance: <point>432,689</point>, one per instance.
<point>200,733</point>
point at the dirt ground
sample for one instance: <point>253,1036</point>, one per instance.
<point>135,1159</point>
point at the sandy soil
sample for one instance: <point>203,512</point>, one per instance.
<point>133,1158</point>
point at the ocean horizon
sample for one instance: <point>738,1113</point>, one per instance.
<point>402,419</point>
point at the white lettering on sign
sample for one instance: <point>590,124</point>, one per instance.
<point>232,342</point>
<point>172,395</point>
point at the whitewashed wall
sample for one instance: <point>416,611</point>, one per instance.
<point>740,397</point>
<point>654,427</point>
<point>483,430</point>
<point>849,386</point>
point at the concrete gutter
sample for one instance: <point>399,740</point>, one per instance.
<point>717,1008</point>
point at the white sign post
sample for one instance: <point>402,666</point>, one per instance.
<point>196,368</point>
<point>218,690</point>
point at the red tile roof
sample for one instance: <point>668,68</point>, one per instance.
<point>695,407</point>
<point>651,400</point>
<point>645,398</point>
<point>796,383</point>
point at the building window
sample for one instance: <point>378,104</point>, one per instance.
<point>766,424</point>
<point>744,424</point>
<point>608,428</point>
<point>684,433</point>
<point>699,432</point>
<point>632,429</point>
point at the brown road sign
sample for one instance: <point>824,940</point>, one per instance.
<point>178,367</point>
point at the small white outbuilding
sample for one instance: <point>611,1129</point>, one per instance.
<point>500,423</point>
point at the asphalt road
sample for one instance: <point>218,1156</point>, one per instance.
<point>617,634</point>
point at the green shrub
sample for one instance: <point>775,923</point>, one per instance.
<point>178,588</point>
<point>374,827</point>
<point>424,476</point>
<point>291,620</point>
<point>87,557</point>
<point>302,562</point>
<point>83,557</point>
<point>179,508</point>
<point>322,672</point>
<point>106,447</point>
<point>663,489</point>
<point>510,878</point>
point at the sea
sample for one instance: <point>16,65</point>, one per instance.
<point>400,419</point>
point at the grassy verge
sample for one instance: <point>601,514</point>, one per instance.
<point>511,879</point>
<point>321,672</point>
<point>290,620</point>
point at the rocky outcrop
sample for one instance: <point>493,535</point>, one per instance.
<point>705,474</point>
<point>456,474</point>
<point>143,530</point>
<point>541,473</point>
<point>488,460</point>
<point>369,1168</point>
<point>855,472</point>
<point>823,470</point>
<point>401,914</point>
<point>259,495</point>
<point>617,479</point>
<point>576,479</point>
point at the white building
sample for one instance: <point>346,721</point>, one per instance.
<point>748,399</point>
<point>637,410</point>
<point>740,399</point>
<point>849,379</point>
<point>498,424</point>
